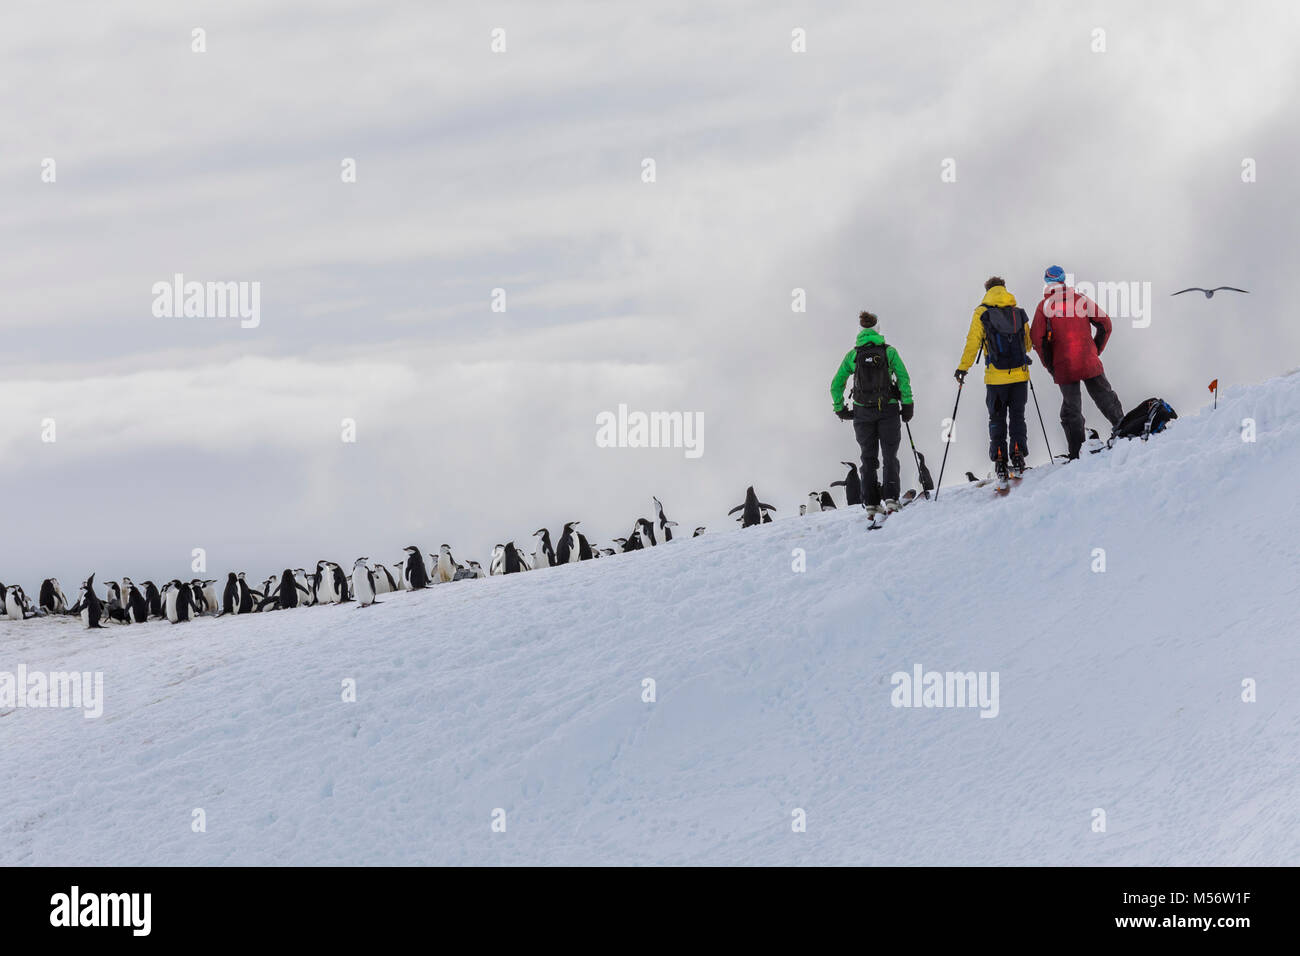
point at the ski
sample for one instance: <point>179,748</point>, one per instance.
<point>1003,488</point>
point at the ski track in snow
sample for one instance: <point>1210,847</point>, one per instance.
<point>1119,690</point>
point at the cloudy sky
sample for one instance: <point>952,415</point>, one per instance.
<point>522,170</point>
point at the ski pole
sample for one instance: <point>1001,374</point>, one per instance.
<point>943,464</point>
<point>1040,421</point>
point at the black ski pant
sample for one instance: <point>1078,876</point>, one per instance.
<point>879,432</point>
<point>1006,405</point>
<point>1103,396</point>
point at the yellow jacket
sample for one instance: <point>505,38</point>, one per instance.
<point>998,295</point>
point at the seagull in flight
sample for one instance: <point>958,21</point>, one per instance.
<point>1209,293</point>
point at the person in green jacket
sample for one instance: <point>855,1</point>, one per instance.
<point>882,399</point>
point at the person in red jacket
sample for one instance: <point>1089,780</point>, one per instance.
<point>1069,333</point>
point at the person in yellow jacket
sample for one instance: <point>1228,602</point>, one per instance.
<point>1000,329</point>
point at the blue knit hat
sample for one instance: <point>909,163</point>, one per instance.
<point>1054,274</point>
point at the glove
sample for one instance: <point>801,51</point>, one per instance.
<point>844,415</point>
<point>960,376</point>
<point>907,412</point>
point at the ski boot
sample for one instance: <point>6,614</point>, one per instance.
<point>1017,463</point>
<point>1001,480</point>
<point>891,505</point>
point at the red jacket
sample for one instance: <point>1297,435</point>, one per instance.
<point>1079,332</point>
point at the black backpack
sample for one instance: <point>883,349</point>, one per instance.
<point>1004,336</point>
<point>1149,418</point>
<point>873,382</point>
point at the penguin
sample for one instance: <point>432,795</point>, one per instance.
<point>498,563</point>
<point>750,509</point>
<point>209,595</point>
<point>585,551</point>
<point>286,594</point>
<point>198,599</point>
<point>311,580</point>
<point>52,598</point>
<point>153,599</point>
<point>269,587</point>
<point>814,502</point>
<point>971,477</point>
<point>545,554</point>
<point>401,575</point>
<point>476,570</point>
<point>14,603</point>
<point>308,583</point>
<point>513,559</point>
<point>803,510</point>
<point>567,551</point>
<point>445,566</point>
<point>363,581</point>
<point>647,531</point>
<point>417,577</point>
<point>322,584</point>
<point>767,518</point>
<point>247,602</point>
<point>230,595</point>
<point>698,531</point>
<point>25,604</point>
<point>665,525</point>
<point>634,542</point>
<point>338,584</point>
<point>852,485</point>
<point>384,583</point>
<point>177,598</point>
<point>828,503</point>
<point>113,603</point>
<point>89,605</point>
<point>605,552</point>
<point>136,605</point>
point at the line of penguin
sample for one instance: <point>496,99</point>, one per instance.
<point>179,601</point>
<point>752,511</point>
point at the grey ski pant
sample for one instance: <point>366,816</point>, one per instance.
<point>1103,396</point>
<point>879,434</point>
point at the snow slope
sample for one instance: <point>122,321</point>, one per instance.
<point>1118,690</point>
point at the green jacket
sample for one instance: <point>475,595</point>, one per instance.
<point>845,371</point>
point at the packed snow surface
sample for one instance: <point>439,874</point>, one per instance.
<point>1119,691</point>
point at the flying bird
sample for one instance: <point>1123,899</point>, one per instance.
<point>1209,293</point>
